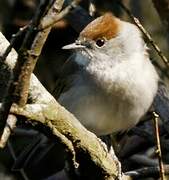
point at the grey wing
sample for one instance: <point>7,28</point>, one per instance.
<point>65,79</point>
<point>161,104</point>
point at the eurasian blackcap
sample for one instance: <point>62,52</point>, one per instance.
<point>114,82</point>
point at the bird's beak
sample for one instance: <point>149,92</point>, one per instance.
<point>74,46</point>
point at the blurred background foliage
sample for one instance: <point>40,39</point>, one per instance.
<point>15,14</point>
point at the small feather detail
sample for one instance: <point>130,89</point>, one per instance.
<point>106,26</point>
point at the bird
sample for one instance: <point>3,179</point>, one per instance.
<point>109,83</point>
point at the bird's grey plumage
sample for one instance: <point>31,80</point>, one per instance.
<point>64,82</point>
<point>65,78</point>
<point>114,82</point>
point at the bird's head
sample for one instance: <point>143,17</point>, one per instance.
<point>109,37</point>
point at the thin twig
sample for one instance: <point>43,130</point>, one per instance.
<point>158,151</point>
<point>34,23</point>
<point>53,19</point>
<point>12,42</point>
<point>146,34</point>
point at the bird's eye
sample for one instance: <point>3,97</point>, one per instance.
<point>100,42</point>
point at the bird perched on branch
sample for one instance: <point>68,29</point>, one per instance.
<point>112,83</point>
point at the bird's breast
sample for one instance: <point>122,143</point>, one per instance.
<point>109,99</point>
<point>98,111</point>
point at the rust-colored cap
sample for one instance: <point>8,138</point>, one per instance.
<point>105,26</point>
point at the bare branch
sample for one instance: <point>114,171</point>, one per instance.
<point>86,143</point>
<point>158,151</point>
<point>55,16</point>
<point>12,42</point>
